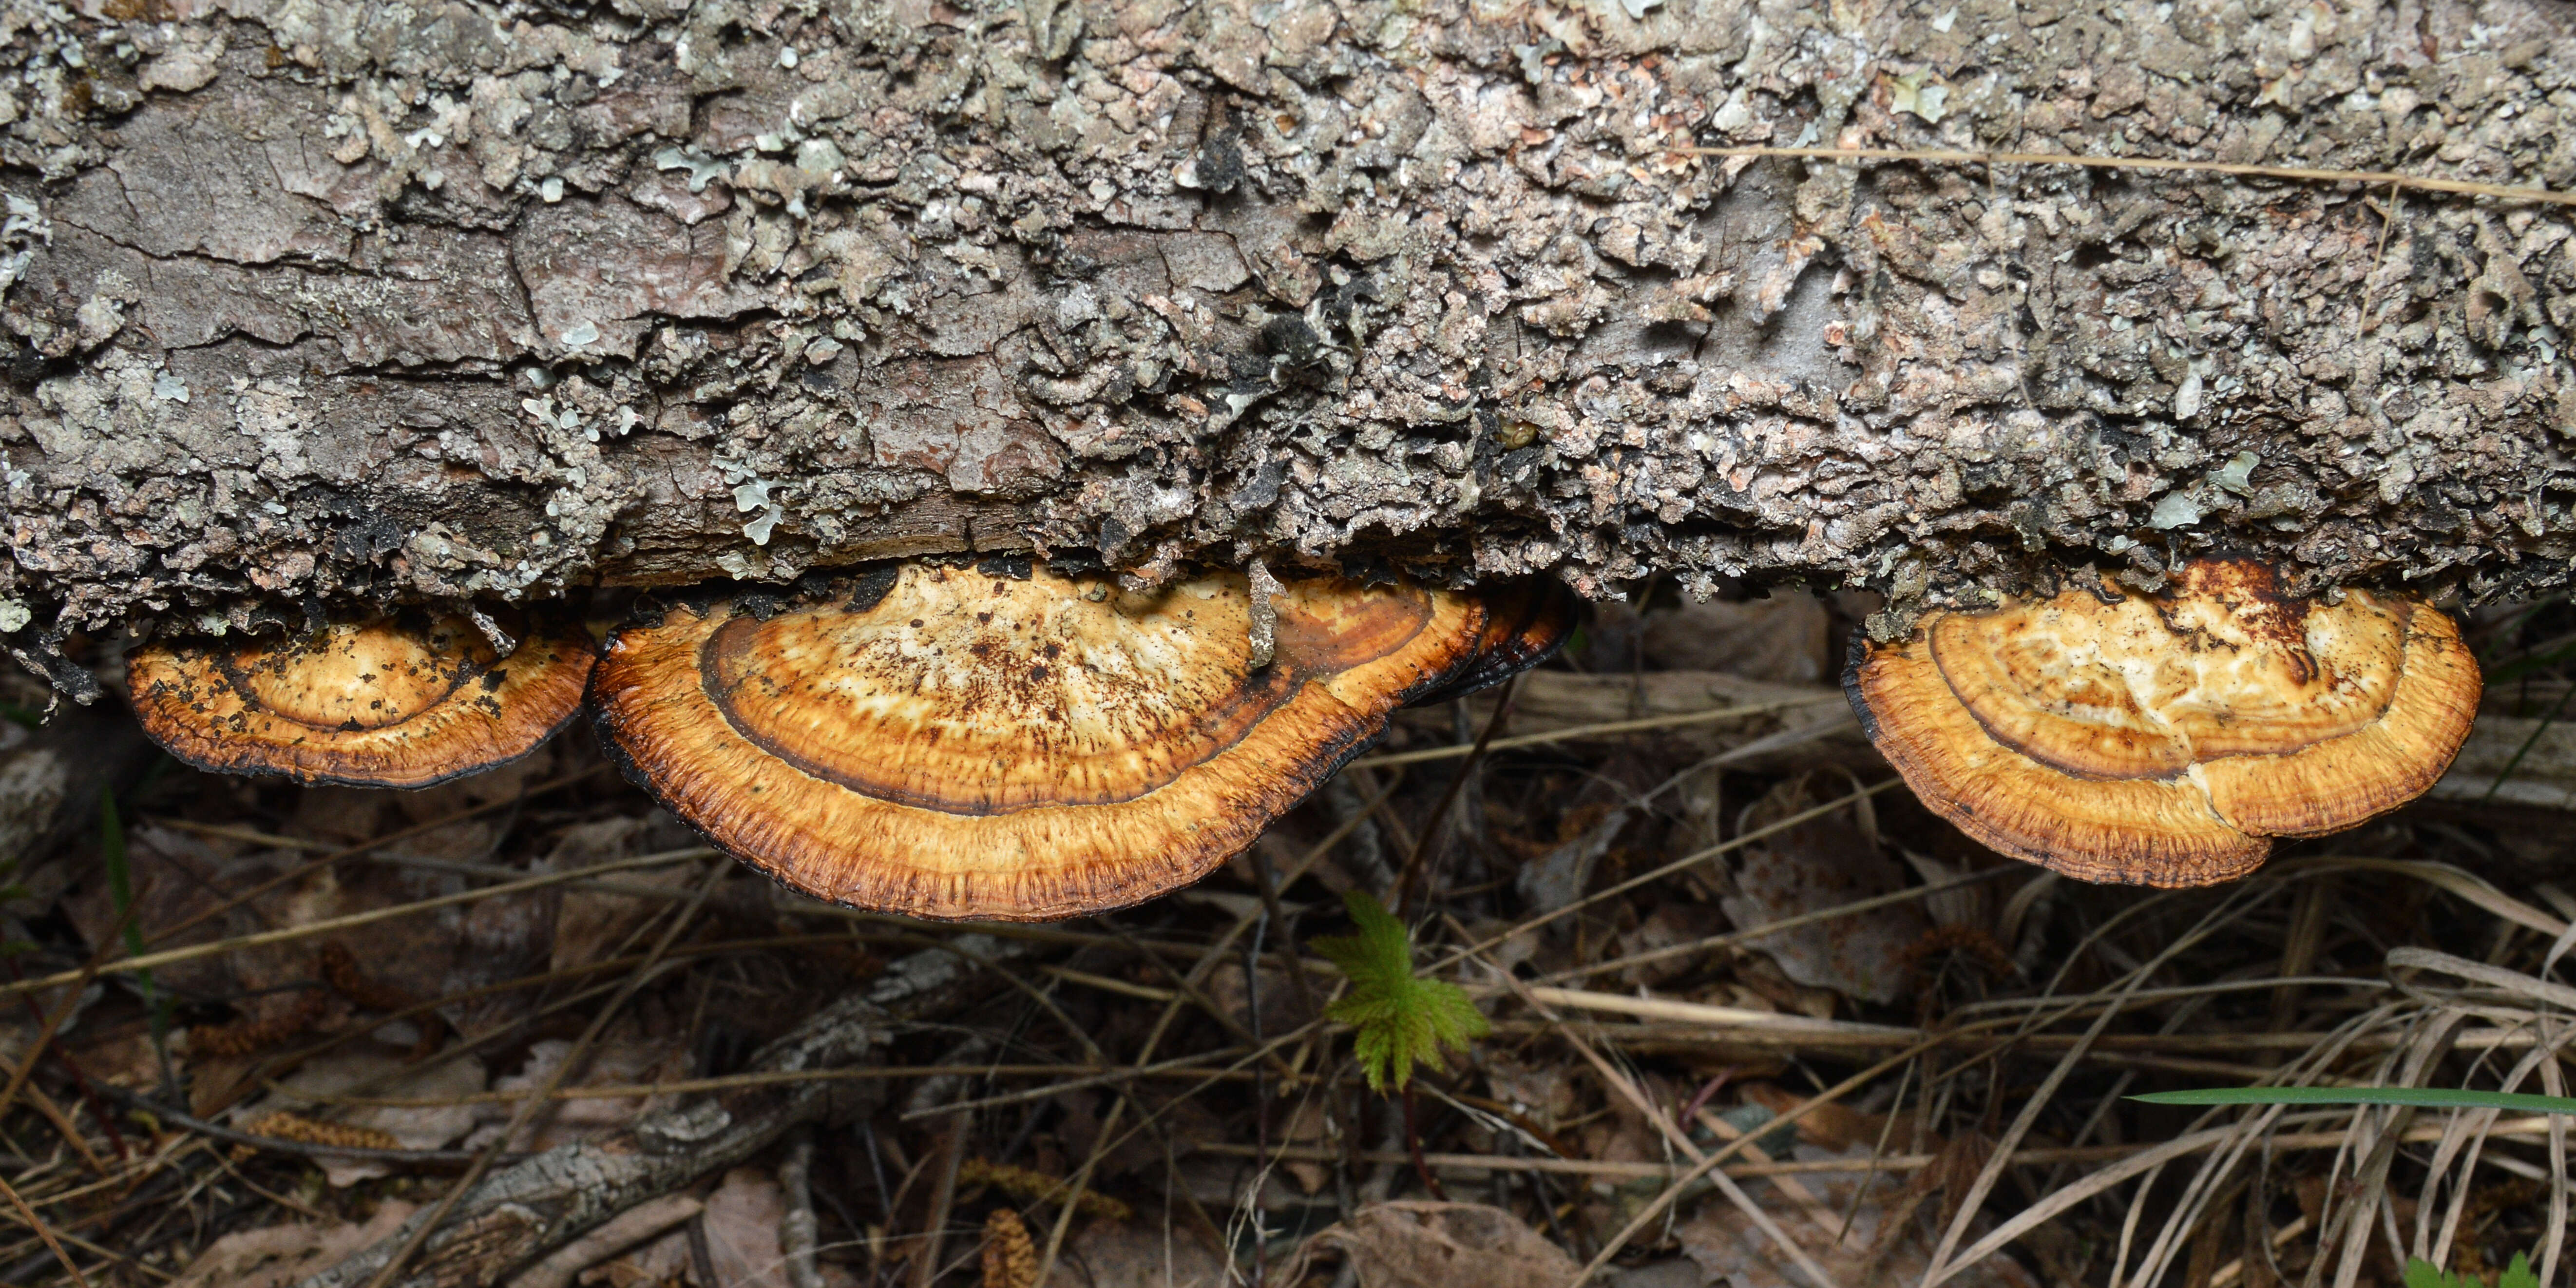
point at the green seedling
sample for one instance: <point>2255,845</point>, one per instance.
<point>1398,1019</point>
<point>2424,1274</point>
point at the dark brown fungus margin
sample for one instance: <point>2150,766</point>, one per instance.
<point>405,701</point>
<point>2164,740</point>
<point>958,743</point>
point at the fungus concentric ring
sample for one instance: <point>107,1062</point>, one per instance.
<point>2164,740</point>
<point>405,701</point>
<point>953,743</point>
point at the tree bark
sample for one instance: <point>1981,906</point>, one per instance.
<point>318,305</point>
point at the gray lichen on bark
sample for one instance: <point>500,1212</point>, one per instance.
<point>315,303</point>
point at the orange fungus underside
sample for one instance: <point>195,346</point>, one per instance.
<point>404,701</point>
<point>2163,740</point>
<point>946,741</point>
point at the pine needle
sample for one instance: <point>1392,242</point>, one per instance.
<point>2418,1097</point>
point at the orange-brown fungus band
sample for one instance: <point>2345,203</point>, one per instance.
<point>2163,740</point>
<point>404,701</point>
<point>957,743</point>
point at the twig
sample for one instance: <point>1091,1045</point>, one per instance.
<point>334,925</point>
<point>1604,729</point>
<point>423,1226</point>
<point>37,1224</point>
<point>299,872</point>
<point>1408,879</point>
<point>943,1196</point>
<point>796,1229</point>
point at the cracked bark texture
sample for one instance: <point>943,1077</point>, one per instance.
<point>315,302</point>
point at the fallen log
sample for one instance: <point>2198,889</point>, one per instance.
<point>311,307</point>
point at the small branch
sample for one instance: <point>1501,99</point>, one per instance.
<point>520,1214</point>
<point>797,1228</point>
<point>943,1197</point>
<point>43,1231</point>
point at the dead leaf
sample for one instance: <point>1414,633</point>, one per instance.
<point>1732,1251</point>
<point>1279,1009</point>
<point>1816,866</point>
<point>415,1126</point>
<point>741,1221</point>
<point>277,1255</point>
<point>1115,1254</point>
<point>1781,639</point>
<point>497,940</point>
<point>589,924</point>
<point>176,878</point>
<point>1544,1090</point>
<point>1668,925</point>
<point>1834,1125</point>
<point>623,1056</point>
<point>1440,1245</point>
<point>1305,1129</point>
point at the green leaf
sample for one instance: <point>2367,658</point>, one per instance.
<point>2420,1097</point>
<point>1398,1019</point>
<point>2424,1274</point>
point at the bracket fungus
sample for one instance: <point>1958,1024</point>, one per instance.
<point>961,743</point>
<point>2164,740</point>
<point>403,701</point>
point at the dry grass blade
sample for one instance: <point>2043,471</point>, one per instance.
<point>44,1232</point>
<point>354,921</point>
<point>1942,1268</point>
<point>1626,1087</point>
<point>1604,729</point>
<point>1685,862</point>
<point>423,1226</point>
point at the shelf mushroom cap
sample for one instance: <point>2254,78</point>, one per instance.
<point>2164,740</point>
<point>403,701</point>
<point>955,743</point>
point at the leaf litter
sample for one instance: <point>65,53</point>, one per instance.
<point>1841,1041</point>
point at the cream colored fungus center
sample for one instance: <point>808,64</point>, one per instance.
<point>978,695</point>
<point>2146,689</point>
<point>358,676</point>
